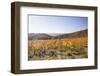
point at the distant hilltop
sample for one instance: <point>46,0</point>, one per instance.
<point>43,36</point>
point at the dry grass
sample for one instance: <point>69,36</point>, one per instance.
<point>51,49</point>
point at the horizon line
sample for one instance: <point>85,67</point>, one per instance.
<point>62,32</point>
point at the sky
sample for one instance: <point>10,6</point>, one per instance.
<point>56,24</point>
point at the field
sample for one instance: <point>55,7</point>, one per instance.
<point>52,49</point>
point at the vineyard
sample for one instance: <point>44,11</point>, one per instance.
<point>52,49</point>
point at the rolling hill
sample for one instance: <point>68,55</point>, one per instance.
<point>38,36</point>
<point>43,36</point>
<point>82,33</point>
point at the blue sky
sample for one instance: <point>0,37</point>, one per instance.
<point>56,24</point>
